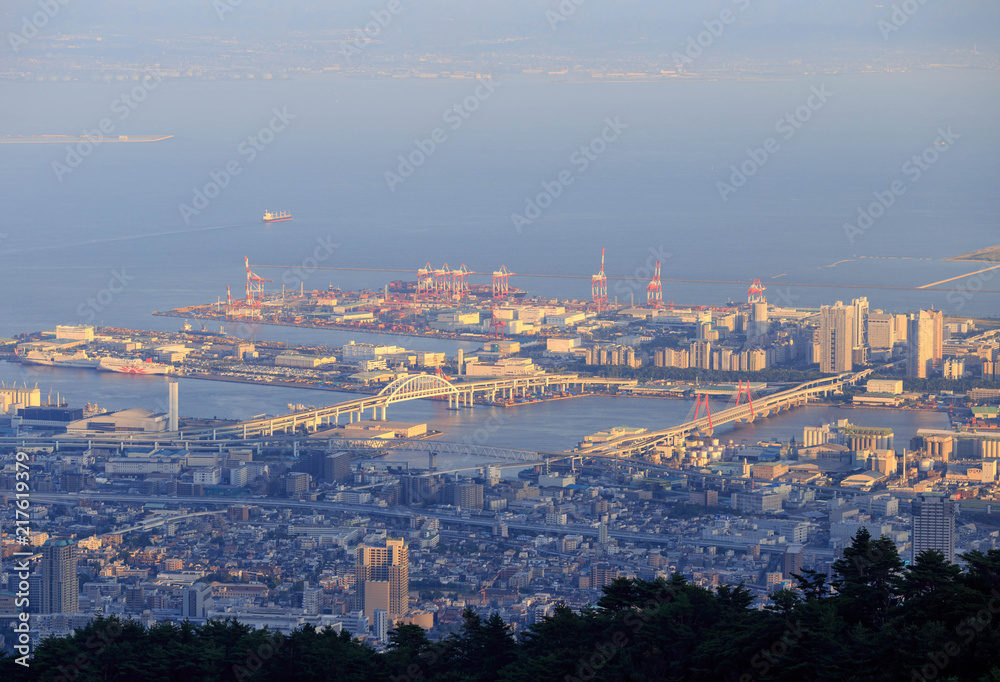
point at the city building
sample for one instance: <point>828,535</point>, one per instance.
<point>380,625</point>
<point>925,340</point>
<point>196,601</point>
<point>881,331</point>
<point>934,525</point>
<point>836,338</point>
<point>792,560</point>
<point>859,322</point>
<point>382,578</point>
<point>60,592</point>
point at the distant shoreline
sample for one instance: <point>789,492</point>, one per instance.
<point>990,254</point>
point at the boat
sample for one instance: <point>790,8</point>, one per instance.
<point>78,359</point>
<point>130,366</point>
<point>277,217</point>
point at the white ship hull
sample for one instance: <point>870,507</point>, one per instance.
<point>79,360</point>
<point>133,366</point>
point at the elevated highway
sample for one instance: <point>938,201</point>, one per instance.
<point>747,412</point>
<point>415,387</point>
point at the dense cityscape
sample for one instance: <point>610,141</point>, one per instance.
<point>710,390</point>
<point>163,518</point>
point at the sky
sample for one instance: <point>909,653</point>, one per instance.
<point>794,28</point>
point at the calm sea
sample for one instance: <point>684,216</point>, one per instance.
<point>104,240</point>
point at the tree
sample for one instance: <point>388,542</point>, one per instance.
<point>869,576</point>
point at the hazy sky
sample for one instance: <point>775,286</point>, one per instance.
<point>813,29</point>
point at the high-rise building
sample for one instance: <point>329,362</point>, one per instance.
<point>337,467</point>
<point>701,354</point>
<point>380,625</point>
<point>759,322</point>
<point>881,330</point>
<point>135,599</point>
<point>836,338</point>
<point>60,592</point>
<point>382,578</point>
<point>925,343</point>
<point>195,600</point>
<point>464,495</point>
<point>860,315</point>
<point>934,525</point>
<point>312,600</point>
<point>792,560</point>
<point>297,483</point>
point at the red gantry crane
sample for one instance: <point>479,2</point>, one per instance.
<point>460,282</point>
<point>654,290</point>
<point>755,294</point>
<point>501,282</point>
<point>425,281</point>
<point>255,291</point>
<point>599,286</point>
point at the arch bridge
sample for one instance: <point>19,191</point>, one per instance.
<point>413,387</point>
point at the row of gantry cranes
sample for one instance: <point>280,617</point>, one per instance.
<point>448,283</point>
<point>445,282</point>
<point>454,283</point>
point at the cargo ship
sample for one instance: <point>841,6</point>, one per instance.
<point>277,217</point>
<point>133,366</point>
<point>78,359</point>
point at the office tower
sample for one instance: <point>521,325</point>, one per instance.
<point>380,625</point>
<point>382,578</point>
<point>759,322</point>
<point>901,327</point>
<point>925,339</point>
<point>337,467</point>
<point>881,330</point>
<point>172,409</point>
<point>701,354</point>
<point>195,601</point>
<point>135,599</point>
<point>297,483</point>
<point>312,600</point>
<point>860,315</point>
<point>464,495</point>
<point>792,560</point>
<point>836,338</point>
<point>60,593</point>
<point>934,525</point>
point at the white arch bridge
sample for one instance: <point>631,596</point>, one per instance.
<point>412,387</point>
